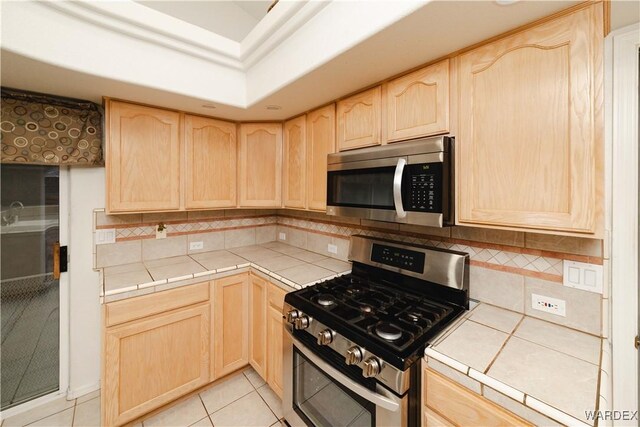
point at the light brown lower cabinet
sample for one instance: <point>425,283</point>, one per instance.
<point>230,338</point>
<point>275,341</point>
<point>449,404</point>
<point>151,361</point>
<point>257,324</point>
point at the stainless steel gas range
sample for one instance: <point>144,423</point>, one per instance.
<point>353,343</point>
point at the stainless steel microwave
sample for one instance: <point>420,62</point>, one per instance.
<point>408,182</point>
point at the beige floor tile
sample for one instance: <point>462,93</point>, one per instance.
<point>39,412</point>
<point>334,265</point>
<point>183,414</point>
<point>225,392</point>
<point>559,338</point>
<point>88,396</point>
<point>494,317</point>
<point>254,378</point>
<point>273,401</point>
<point>248,411</point>
<point>61,419</point>
<point>473,344</point>
<point>205,422</point>
<point>560,380</point>
<point>88,414</point>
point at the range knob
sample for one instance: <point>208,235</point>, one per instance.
<point>302,322</point>
<point>372,367</point>
<point>354,355</point>
<point>292,315</point>
<point>325,337</point>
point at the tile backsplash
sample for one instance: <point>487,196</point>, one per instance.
<point>506,266</point>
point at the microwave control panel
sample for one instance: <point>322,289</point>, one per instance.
<point>424,187</point>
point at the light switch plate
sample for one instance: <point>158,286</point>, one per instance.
<point>549,305</point>
<point>105,236</point>
<point>282,236</point>
<point>580,275</point>
<point>332,249</point>
<point>161,234</point>
<point>196,245</point>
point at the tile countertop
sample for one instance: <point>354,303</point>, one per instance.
<point>545,373</point>
<point>291,267</point>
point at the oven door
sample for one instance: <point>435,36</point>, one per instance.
<point>317,394</point>
<point>368,189</point>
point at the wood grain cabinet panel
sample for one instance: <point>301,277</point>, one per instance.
<point>321,141</point>
<point>143,158</point>
<point>150,362</point>
<point>230,341</point>
<point>451,404</point>
<point>530,129</point>
<point>258,325</point>
<point>260,165</point>
<point>418,103</point>
<point>210,146</point>
<point>359,120</point>
<point>275,349</point>
<point>294,169</point>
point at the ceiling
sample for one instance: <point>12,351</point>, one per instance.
<point>230,19</point>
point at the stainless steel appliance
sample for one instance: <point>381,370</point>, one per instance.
<point>409,182</point>
<point>353,343</point>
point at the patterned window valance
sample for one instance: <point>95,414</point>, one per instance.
<point>44,129</point>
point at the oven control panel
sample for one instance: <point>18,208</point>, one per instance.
<point>398,257</point>
<point>424,185</point>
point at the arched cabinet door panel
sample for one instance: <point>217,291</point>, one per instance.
<point>295,168</point>
<point>321,141</point>
<point>359,120</point>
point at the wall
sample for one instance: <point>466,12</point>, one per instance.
<point>86,192</point>
<point>624,12</point>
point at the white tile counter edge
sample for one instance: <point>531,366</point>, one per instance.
<point>517,395</point>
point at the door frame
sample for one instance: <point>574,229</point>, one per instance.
<point>63,285</point>
<point>622,133</point>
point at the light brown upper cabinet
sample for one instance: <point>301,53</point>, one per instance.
<point>360,120</point>
<point>530,127</point>
<point>230,312</point>
<point>418,103</point>
<point>321,140</point>
<point>210,163</point>
<point>260,165</point>
<point>294,163</point>
<point>142,158</point>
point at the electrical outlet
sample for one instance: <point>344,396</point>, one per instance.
<point>332,249</point>
<point>549,305</point>
<point>581,275</point>
<point>161,232</point>
<point>196,245</point>
<point>282,236</point>
<point>105,235</point>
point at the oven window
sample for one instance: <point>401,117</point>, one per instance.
<point>322,402</point>
<point>361,188</point>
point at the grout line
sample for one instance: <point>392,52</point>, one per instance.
<point>206,411</point>
<point>266,403</point>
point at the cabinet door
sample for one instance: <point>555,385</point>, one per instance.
<point>260,162</point>
<point>294,163</point>
<point>275,348</point>
<point>530,135</point>
<point>230,324</point>
<point>150,362</point>
<point>210,163</point>
<point>359,120</point>
<point>143,158</point>
<point>418,103</point>
<point>321,140</point>
<point>463,407</point>
<point>258,325</point>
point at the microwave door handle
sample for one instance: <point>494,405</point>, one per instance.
<point>397,188</point>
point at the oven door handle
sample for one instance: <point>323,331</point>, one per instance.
<point>385,400</point>
<point>397,188</point>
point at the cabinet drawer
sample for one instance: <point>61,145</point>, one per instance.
<point>463,407</point>
<point>148,305</point>
<point>276,297</point>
